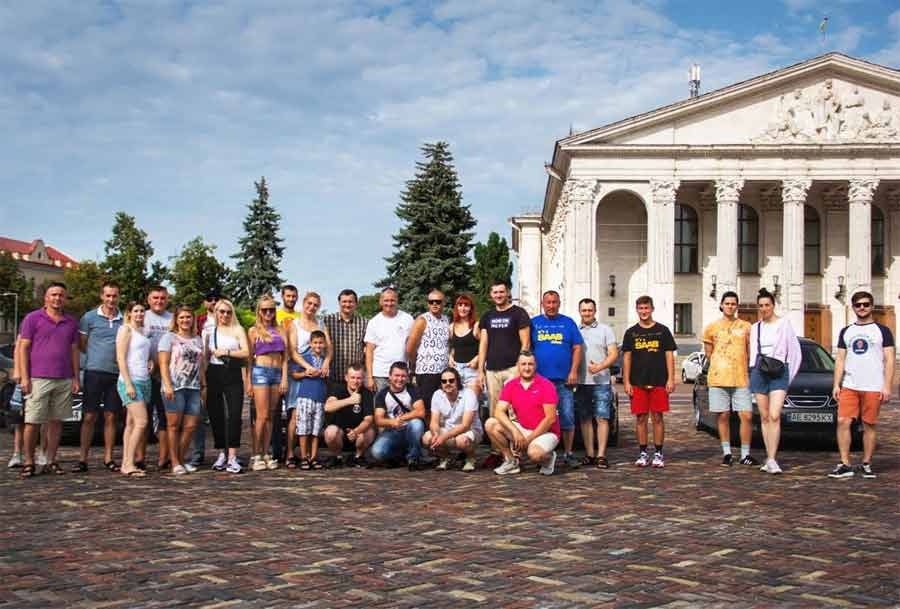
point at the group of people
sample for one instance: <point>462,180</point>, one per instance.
<point>395,389</point>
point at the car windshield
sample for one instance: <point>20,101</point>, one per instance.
<point>816,359</point>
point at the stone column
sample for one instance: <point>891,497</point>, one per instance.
<point>578,243</point>
<point>859,267</point>
<point>661,249</point>
<point>528,248</point>
<point>728,194</point>
<point>793,197</point>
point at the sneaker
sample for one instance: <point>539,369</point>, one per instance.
<point>360,461</point>
<point>508,467</point>
<point>547,470</point>
<point>257,464</point>
<point>772,467</point>
<point>764,467</point>
<point>748,460</point>
<point>866,470</point>
<point>571,462</point>
<point>727,460</point>
<point>841,471</point>
<point>414,465</point>
<point>492,461</point>
<point>469,465</point>
<point>41,458</point>
<point>442,465</point>
<point>221,460</point>
<point>643,460</point>
<point>233,467</point>
<point>270,462</point>
<point>658,460</point>
<point>15,461</point>
<point>179,470</point>
<point>190,468</point>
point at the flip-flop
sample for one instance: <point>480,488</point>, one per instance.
<point>111,466</point>
<point>138,473</point>
<point>54,468</point>
<point>27,472</point>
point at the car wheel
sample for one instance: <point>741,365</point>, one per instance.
<point>683,377</point>
<point>698,420</point>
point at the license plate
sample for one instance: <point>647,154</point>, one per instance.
<point>810,417</point>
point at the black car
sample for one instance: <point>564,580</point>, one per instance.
<point>809,413</point>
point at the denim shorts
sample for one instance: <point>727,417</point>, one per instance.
<point>593,401</point>
<point>264,375</point>
<point>187,402</point>
<point>565,409</point>
<point>760,383</point>
<point>142,390</point>
<point>724,399</point>
<point>466,374</point>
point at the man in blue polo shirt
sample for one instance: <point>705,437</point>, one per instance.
<point>98,328</point>
<point>557,345</point>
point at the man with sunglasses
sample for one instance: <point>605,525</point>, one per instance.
<point>454,421</point>
<point>428,346</point>
<point>863,377</point>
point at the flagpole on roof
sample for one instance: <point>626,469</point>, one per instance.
<point>823,29</point>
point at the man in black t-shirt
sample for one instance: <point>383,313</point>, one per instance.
<point>649,375</point>
<point>350,413</point>
<point>400,417</point>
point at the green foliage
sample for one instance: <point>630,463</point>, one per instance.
<point>491,264</point>
<point>431,250</point>
<point>196,271</point>
<point>258,266</point>
<point>368,305</point>
<point>127,255</point>
<point>83,285</point>
<point>245,316</point>
<point>12,280</point>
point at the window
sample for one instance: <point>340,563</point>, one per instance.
<point>877,241</point>
<point>685,239</point>
<point>811,241</point>
<point>683,322</point>
<point>748,240</point>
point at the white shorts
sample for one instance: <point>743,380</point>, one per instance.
<point>473,435</point>
<point>547,442</point>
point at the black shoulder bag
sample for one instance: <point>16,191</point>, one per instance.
<point>769,366</point>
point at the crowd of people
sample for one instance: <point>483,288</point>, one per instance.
<point>399,390</point>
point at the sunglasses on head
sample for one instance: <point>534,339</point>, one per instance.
<point>862,305</point>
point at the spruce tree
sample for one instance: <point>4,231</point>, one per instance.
<point>195,271</point>
<point>431,249</point>
<point>258,268</point>
<point>491,265</point>
<point>127,255</point>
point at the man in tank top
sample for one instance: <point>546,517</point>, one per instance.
<point>429,347</point>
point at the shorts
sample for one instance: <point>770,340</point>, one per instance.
<point>546,442</point>
<point>186,402</point>
<point>100,393</point>
<point>565,408</point>
<point>142,391</point>
<point>723,399</point>
<point>381,382</point>
<point>495,380</point>
<point>760,383</point>
<point>156,410</point>
<point>49,400</point>
<point>475,436</point>
<point>649,399</point>
<point>310,415</point>
<point>593,401</point>
<point>859,404</point>
<point>15,416</point>
<point>467,374</point>
<point>265,376</point>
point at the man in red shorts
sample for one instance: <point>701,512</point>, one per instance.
<point>649,362</point>
<point>863,378</point>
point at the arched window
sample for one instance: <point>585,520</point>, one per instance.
<point>748,240</point>
<point>877,241</point>
<point>686,238</point>
<point>812,241</point>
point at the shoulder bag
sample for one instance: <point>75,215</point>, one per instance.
<point>769,366</point>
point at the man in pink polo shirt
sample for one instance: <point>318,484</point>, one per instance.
<point>525,420</point>
<point>48,349</point>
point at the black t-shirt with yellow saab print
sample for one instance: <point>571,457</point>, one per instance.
<point>648,348</point>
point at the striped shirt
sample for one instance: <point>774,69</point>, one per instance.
<point>347,343</point>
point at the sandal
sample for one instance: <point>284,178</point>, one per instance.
<point>586,460</point>
<point>602,463</point>
<point>292,463</point>
<point>305,464</point>
<point>54,468</point>
<point>137,473</point>
<point>79,468</point>
<point>111,466</point>
<point>27,472</point>
<point>140,465</point>
<point>317,464</point>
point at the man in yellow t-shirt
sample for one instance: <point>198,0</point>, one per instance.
<point>727,345</point>
<point>286,313</point>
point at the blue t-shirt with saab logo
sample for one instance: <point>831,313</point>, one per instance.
<point>552,340</point>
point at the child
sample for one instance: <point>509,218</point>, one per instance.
<point>310,404</point>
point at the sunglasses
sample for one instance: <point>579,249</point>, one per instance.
<point>449,381</point>
<point>435,302</point>
<point>224,311</point>
<point>268,310</point>
<point>862,305</point>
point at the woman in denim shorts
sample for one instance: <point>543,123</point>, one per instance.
<point>268,377</point>
<point>464,337</point>
<point>133,358</point>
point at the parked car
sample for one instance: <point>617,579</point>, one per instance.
<point>617,369</point>
<point>692,366</point>
<point>809,413</point>
<point>71,427</point>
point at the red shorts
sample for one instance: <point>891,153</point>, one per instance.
<point>652,399</point>
<point>859,404</point>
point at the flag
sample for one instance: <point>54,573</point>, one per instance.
<point>824,24</point>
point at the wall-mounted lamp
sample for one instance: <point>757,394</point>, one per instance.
<point>612,286</point>
<point>776,287</point>
<point>841,293</point>
<point>712,292</point>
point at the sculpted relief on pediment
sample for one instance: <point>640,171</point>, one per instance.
<point>826,113</point>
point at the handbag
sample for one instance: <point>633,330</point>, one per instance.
<point>769,366</point>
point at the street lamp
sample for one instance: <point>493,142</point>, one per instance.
<point>15,296</point>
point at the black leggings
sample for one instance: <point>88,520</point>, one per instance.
<point>225,404</point>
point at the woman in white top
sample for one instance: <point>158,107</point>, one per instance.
<point>133,358</point>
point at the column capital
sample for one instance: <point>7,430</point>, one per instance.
<point>583,191</point>
<point>794,190</point>
<point>862,190</point>
<point>664,191</point>
<point>728,190</point>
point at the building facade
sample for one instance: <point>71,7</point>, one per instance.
<point>789,181</point>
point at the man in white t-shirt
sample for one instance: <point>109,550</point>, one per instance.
<point>385,339</point>
<point>454,421</point>
<point>863,380</point>
<point>156,323</point>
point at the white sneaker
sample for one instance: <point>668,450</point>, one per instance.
<point>257,464</point>
<point>179,470</point>
<point>442,465</point>
<point>469,465</point>
<point>41,458</point>
<point>15,461</point>
<point>643,460</point>
<point>219,465</point>
<point>508,467</point>
<point>547,470</point>
<point>190,468</point>
<point>773,467</point>
<point>658,460</point>
<point>233,467</point>
<point>270,462</point>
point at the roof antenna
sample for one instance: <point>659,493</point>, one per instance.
<point>694,81</point>
<point>571,129</point>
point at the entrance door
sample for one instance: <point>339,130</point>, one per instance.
<point>817,325</point>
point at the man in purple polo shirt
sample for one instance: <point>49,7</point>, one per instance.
<point>48,349</point>
<point>525,420</point>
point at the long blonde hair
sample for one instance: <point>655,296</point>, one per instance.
<point>262,331</point>
<point>234,320</point>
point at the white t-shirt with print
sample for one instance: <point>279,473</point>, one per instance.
<point>864,364</point>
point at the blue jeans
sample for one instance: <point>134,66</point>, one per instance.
<point>187,401</point>
<point>594,401</point>
<point>391,443</point>
<point>565,409</point>
<point>199,438</point>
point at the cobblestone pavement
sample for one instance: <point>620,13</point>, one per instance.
<point>692,535</point>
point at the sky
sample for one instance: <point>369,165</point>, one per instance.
<point>170,111</point>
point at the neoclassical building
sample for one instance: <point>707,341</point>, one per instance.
<point>790,180</point>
